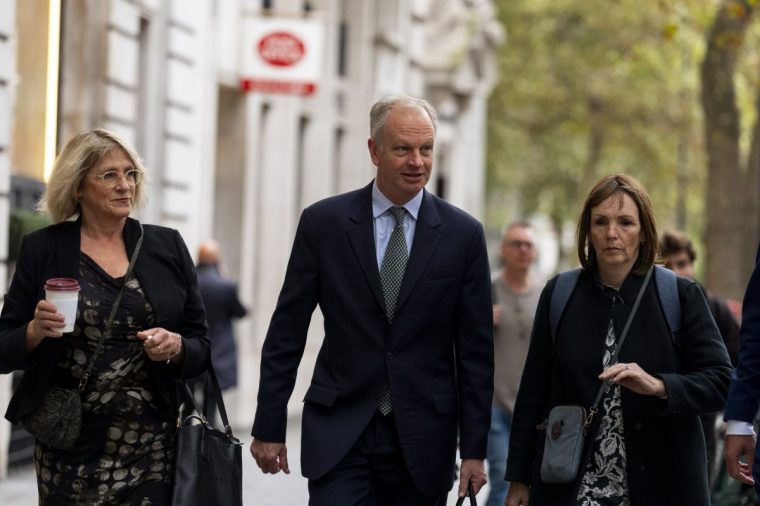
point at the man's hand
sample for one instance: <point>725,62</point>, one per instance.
<point>735,447</point>
<point>518,495</point>
<point>270,457</point>
<point>472,471</point>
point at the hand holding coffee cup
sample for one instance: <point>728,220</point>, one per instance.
<point>64,294</point>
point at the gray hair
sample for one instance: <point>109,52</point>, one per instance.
<point>80,154</point>
<point>380,110</point>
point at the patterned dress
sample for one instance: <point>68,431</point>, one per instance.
<point>125,452</point>
<point>604,480</point>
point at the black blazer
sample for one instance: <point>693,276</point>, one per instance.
<point>665,448</point>
<point>167,276</point>
<point>436,357</point>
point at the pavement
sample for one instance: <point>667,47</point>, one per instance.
<point>20,487</point>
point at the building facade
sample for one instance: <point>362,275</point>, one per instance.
<point>234,165</point>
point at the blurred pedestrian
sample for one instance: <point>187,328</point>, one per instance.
<point>138,329</point>
<point>515,297</point>
<point>742,456</point>
<point>220,297</point>
<point>679,255</point>
<point>644,446</point>
<point>406,362</point>
<point>677,251</point>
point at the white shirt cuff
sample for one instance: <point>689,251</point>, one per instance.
<point>738,428</point>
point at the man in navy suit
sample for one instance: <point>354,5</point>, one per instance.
<point>744,392</point>
<point>406,364</point>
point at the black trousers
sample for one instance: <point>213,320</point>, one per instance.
<point>373,473</point>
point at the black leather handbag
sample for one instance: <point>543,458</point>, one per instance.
<point>208,462</point>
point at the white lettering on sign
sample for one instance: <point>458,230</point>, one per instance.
<point>281,49</point>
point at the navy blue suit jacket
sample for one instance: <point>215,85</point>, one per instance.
<point>436,357</point>
<point>744,392</point>
<point>220,297</point>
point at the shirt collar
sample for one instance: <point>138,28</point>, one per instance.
<point>381,203</point>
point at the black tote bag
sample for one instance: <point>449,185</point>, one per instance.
<point>208,462</point>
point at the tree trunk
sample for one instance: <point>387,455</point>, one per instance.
<point>730,232</point>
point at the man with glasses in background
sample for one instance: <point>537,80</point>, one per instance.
<point>515,297</point>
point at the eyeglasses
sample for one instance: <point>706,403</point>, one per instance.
<point>111,178</point>
<point>680,264</point>
<point>520,244</point>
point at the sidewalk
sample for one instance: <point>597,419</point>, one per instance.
<point>20,488</point>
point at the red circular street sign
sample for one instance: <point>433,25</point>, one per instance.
<point>281,49</point>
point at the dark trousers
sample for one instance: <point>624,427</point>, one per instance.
<point>373,473</point>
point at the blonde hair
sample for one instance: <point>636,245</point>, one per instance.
<point>80,154</point>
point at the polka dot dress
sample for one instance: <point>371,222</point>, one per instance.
<point>125,452</point>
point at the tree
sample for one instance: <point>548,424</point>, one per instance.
<point>733,191</point>
<point>589,88</point>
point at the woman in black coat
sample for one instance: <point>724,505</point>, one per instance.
<point>645,445</point>
<point>125,451</point>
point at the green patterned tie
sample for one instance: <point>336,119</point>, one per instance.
<point>391,275</point>
<point>394,263</point>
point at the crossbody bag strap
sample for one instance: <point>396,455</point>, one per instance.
<point>613,359</point>
<point>109,323</point>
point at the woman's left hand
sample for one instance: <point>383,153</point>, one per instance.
<point>634,378</point>
<point>161,345</point>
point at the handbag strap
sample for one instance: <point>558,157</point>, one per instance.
<point>471,494</point>
<point>109,323</point>
<point>217,393</point>
<point>613,360</point>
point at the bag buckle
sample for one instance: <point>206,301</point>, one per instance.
<point>589,417</point>
<point>83,381</point>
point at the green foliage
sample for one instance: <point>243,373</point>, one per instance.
<point>21,223</point>
<point>592,87</point>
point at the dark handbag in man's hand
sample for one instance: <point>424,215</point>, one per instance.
<point>471,494</point>
<point>57,420</point>
<point>208,462</point>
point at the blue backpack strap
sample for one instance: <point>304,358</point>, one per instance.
<point>563,289</point>
<point>667,289</point>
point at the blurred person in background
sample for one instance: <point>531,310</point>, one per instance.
<point>677,251</point>
<point>220,297</point>
<point>125,451</point>
<point>645,445</point>
<point>515,296</point>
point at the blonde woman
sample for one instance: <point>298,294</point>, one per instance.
<point>156,334</point>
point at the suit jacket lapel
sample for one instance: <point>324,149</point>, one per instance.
<point>426,239</point>
<point>362,238</point>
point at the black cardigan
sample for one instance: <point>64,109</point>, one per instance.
<point>666,458</point>
<point>167,276</point>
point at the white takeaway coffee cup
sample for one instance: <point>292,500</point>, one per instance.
<point>64,293</point>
